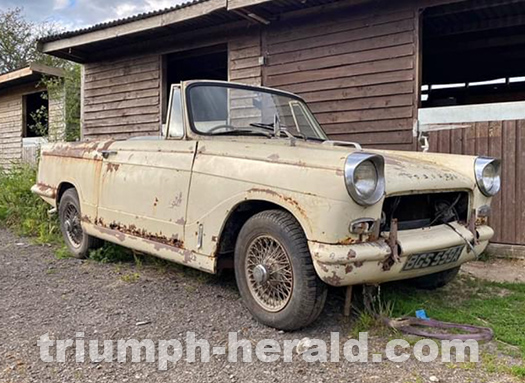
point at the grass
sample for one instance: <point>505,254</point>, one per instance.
<point>500,306</point>
<point>24,212</point>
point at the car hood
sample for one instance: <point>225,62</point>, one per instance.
<point>404,171</point>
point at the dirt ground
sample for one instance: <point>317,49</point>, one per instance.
<point>40,294</point>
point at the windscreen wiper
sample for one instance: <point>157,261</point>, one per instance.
<point>297,135</point>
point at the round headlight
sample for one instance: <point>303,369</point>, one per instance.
<point>487,172</point>
<point>364,177</point>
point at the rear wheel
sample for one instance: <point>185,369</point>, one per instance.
<point>275,273</point>
<point>434,281</point>
<point>78,242</point>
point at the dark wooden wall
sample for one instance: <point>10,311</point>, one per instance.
<point>500,139</point>
<point>357,71</point>
<point>122,98</point>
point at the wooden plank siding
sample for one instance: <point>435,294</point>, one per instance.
<point>499,139</point>
<point>243,58</point>
<point>11,122</point>
<point>10,129</point>
<point>357,72</point>
<point>122,98</point>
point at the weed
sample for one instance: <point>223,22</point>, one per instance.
<point>130,277</point>
<point>21,210</point>
<point>110,253</point>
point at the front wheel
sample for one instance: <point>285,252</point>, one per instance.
<point>78,242</point>
<point>275,274</point>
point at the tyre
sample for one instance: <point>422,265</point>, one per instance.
<point>78,242</point>
<point>434,281</point>
<point>275,274</point>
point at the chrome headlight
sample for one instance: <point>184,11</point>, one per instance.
<point>487,172</point>
<point>364,178</point>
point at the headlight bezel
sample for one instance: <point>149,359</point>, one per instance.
<point>353,161</point>
<point>480,165</point>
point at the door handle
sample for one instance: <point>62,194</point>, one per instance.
<point>107,153</point>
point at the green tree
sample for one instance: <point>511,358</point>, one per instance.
<point>18,38</point>
<point>18,49</point>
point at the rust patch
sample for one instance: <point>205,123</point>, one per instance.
<point>290,200</point>
<point>323,267</point>
<point>348,269</point>
<point>72,150</point>
<point>348,241</point>
<point>334,280</point>
<point>392,243</point>
<point>86,219</point>
<point>156,202</point>
<point>351,254</point>
<point>112,167</point>
<point>482,221</point>
<point>45,190</point>
<point>132,230</point>
<point>358,264</point>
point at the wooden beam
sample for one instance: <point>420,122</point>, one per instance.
<point>452,9</point>
<point>175,16</point>
<point>10,76</point>
<point>236,4</point>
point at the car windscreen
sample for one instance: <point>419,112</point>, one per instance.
<point>219,109</point>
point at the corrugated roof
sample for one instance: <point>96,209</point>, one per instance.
<point>113,23</point>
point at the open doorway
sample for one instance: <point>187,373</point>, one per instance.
<point>35,115</point>
<point>473,53</point>
<point>209,63</point>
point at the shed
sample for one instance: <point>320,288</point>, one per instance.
<point>388,74</point>
<point>21,95</point>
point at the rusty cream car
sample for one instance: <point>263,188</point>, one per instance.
<point>245,177</point>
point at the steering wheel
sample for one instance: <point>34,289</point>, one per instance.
<point>218,127</point>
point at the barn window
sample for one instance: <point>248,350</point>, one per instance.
<point>209,63</point>
<point>473,53</point>
<point>35,115</point>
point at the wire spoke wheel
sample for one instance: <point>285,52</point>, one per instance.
<point>269,273</point>
<point>73,226</point>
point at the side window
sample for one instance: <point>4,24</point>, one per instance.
<point>175,120</point>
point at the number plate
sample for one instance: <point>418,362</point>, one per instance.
<point>435,258</point>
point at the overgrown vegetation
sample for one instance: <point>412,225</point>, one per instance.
<point>23,211</point>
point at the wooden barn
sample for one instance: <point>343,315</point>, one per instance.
<point>22,94</point>
<point>447,74</point>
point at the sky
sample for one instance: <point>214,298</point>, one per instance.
<point>75,14</point>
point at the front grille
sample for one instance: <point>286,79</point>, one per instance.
<point>424,210</point>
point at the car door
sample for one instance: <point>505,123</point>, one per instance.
<point>145,182</point>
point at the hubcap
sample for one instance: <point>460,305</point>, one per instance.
<point>269,272</point>
<point>72,225</point>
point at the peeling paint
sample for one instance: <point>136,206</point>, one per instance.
<point>333,280</point>
<point>112,167</point>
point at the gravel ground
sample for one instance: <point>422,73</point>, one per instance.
<point>40,294</point>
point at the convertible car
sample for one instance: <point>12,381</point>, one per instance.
<point>244,177</point>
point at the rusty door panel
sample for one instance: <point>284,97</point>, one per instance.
<point>144,189</point>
